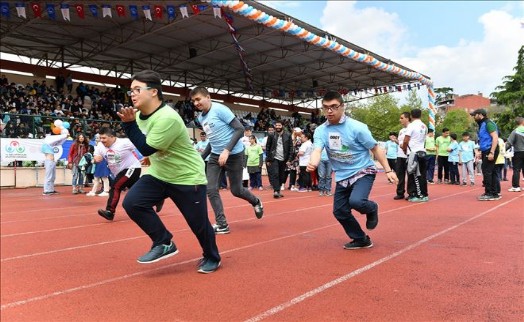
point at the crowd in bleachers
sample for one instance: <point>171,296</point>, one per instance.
<point>28,111</point>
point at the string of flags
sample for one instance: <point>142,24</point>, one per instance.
<point>149,12</point>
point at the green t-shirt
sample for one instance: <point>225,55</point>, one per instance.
<point>443,144</point>
<point>429,144</point>
<point>253,153</point>
<point>176,161</point>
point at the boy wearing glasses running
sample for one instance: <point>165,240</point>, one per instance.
<point>347,143</point>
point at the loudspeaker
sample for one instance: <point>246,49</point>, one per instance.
<point>315,83</point>
<point>192,52</point>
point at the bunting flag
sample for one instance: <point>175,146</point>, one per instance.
<point>37,11</point>
<point>158,11</point>
<point>4,8</point>
<point>183,11</point>
<point>106,11</point>
<point>94,10</point>
<point>80,11</point>
<point>147,12</point>
<point>120,10</point>
<point>248,76</point>
<point>217,12</point>
<point>171,12</point>
<point>64,9</point>
<point>133,11</point>
<point>196,9</point>
<point>20,10</point>
<point>51,13</point>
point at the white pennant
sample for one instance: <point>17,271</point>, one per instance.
<point>147,14</point>
<point>106,11</point>
<point>21,12</point>
<point>65,14</point>
<point>183,11</point>
<point>217,12</point>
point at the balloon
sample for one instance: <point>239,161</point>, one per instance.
<point>64,131</point>
<point>66,125</point>
<point>56,130</point>
<point>58,123</point>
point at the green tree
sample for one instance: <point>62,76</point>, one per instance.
<point>443,94</point>
<point>457,121</point>
<point>511,95</point>
<point>380,114</point>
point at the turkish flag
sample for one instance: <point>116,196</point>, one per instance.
<point>195,8</point>
<point>80,10</point>
<point>120,10</point>
<point>158,11</point>
<point>37,10</point>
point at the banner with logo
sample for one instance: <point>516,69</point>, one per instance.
<point>25,150</point>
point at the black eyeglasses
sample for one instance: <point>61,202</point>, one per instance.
<point>137,90</point>
<point>331,107</point>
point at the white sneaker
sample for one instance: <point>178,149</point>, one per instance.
<point>91,194</point>
<point>103,194</point>
<point>517,189</point>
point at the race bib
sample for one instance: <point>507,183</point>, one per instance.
<point>335,141</point>
<point>207,128</point>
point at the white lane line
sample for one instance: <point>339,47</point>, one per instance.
<point>281,307</point>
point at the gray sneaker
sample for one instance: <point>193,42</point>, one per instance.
<point>158,253</point>
<point>207,265</point>
<point>221,229</point>
<point>259,209</point>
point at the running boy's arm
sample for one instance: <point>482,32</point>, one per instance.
<point>237,135</point>
<point>138,138</point>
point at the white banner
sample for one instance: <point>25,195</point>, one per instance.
<point>25,150</point>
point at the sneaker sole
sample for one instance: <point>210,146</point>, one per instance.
<point>208,272</point>
<point>103,216</point>
<point>355,248</point>
<point>222,232</point>
<point>160,258</point>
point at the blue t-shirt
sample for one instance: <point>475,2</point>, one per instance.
<point>216,125</point>
<point>467,150</point>
<point>324,156</point>
<point>347,145</point>
<point>391,149</point>
<point>454,153</point>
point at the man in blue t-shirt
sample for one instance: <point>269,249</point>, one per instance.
<point>224,132</point>
<point>347,143</point>
<point>391,147</point>
<point>489,151</point>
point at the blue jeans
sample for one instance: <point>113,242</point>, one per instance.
<point>353,197</point>
<point>78,177</point>
<point>324,173</point>
<point>233,167</point>
<point>189,199</point>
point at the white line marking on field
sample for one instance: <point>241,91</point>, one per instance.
<point>281,307</point>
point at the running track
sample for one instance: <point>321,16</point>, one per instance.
<point>453,258</point>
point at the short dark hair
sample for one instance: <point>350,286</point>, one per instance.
<point>416,113</point>
<point>445,130</point>
<point>152,79</point>
<point>105,130</point>
<point>453,136</point>
<point>253,137</point>
<point>407,115</point>
<point>199,90</point>
<point>392,133</point>
<point>465,134</point>
<point>333,95</point>
<point>431,130</point>
<point>203,134</point>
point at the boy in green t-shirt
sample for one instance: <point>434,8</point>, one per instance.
<point>176,172</point>
<point>442,144</point>
<point>431,151</point>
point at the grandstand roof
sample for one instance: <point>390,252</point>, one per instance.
<point>197,50</point>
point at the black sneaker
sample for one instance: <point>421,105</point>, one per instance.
<point>495,197</point>
<point>158,253</point>
<point>106,214</point>
<point>277,195</point>
<point>221,229</point>
<point>397,197</point>
<point>259,209</point>
<point>372,219</point>
<point>207,265</point>
<point>359,243</point>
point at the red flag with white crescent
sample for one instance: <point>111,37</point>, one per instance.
<point>37,10</point>
<point>80,10</point>
<point>120,10</point>
<point>158,11</point>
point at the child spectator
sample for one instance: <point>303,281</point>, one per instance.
<point>453,160</point>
